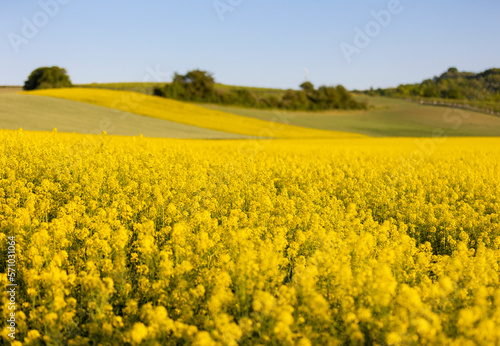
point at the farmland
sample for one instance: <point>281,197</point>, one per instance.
<point>126,240</point>
<point>298,228</point>
<point>240,173</point>
<point>38,113</point>
<point>386,117</point>
<point>188,114</point>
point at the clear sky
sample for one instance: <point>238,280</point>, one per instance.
<point>265,43</point>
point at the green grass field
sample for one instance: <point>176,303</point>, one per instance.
<point>488,107</point>
<point>387,117</point>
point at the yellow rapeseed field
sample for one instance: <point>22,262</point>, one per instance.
<point>128,241</point>
<point>189,114</point>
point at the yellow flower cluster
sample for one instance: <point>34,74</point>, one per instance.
<point>128,241</point>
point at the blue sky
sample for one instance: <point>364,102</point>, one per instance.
<point>265,43</point>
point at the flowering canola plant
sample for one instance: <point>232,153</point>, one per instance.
<point>128,241</point>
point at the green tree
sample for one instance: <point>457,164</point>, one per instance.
<point>196,85</point>
<point>244,97</point>
<point>47,78</point>
<point>454,93</point>
<point>429,89</point>
<point>199,86</point>
<point>307,86</point>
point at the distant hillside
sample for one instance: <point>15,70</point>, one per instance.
<point>188,114</point>
<point>386,117</point>
<point>37,113</point>
<point>453,88</point>
<point>200,87</point>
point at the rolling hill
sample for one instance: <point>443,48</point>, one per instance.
<point>37,113</point>
<point>468,90</point>
<point>189,114</point>
<point>387,117</point>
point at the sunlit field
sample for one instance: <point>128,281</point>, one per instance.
<point>130,240</point>
<point>189,114</point>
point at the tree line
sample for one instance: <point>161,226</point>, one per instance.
<point>453,85</point>
<point>200,86</point>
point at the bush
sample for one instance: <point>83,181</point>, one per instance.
<point>47,78</point>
